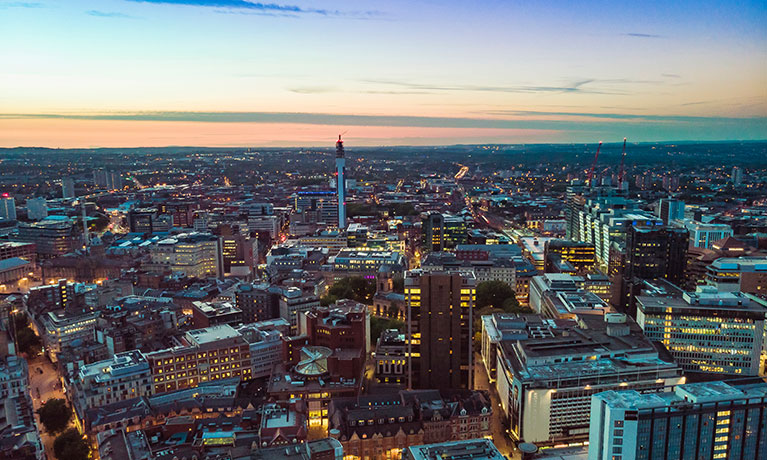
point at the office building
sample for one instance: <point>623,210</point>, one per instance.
<point>545,380</point>
<point>239,255</point>
<point>582,256</point>
<point>704,235</point>
<point>475,449</point>
<point>191,254</point>
<point>657,251</point>
<point>319,206</point>
<point>707,421</point>
<point>391,357</point>
<point>258,302</point>
<point>142,220</point>
<point>12,249</point>
<point>51,237</point>
<point>61,329</point>
<point>67,187</point>
<point>205,355</point>
<point>670,210</point>
<point>293,301</point>
<point>705,331</point>
<point>37,208</point>
<point>439,328</point>
<point>7,207</point>
<point>442,231</point>
<point>19,435</point>
<point>738,274</point>
<point>363,262</point>
<point>265,343</point>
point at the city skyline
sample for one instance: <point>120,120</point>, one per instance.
<point>238,73</point>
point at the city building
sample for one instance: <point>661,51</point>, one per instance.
<point>258,302</point>
<point>19,436</point>
<point>391,357</point>
<point>442,231</point>
<point>670,210</point>
<point>293,301</point>
<point>265,343</point>
<point>363,262</point>
<point>205,314</point>
<point>51,237</point>
<point>708,420</point>
<point>37,208</point>
<point>124,376</point>
<point>61,329</point>
<point>476,449</point>
<point>736,177</point>
<point>7,207</point>
<point>67,187</point>
<point>738,274</point>
<point>191,254</point>
<point>704,235</point>
<point>582,256</point>
<point>545,381</point>
<point>706,330</point>
<point>657,251</point>
<point>204,355</point>
<point>318,206</point>
<point>12,249</point>
<point>439,328</point>
<point>379,426</point>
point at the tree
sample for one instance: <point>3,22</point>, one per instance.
<point>378,325</point>
<point>355,288</point>
<point>55,415</point>
<point>398,284</point>
<point>493,293</point>
<point>71,445</point>
<point>26,339</point>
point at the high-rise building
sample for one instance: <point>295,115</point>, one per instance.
<point>7,207</point>
<point>707,421</point>
<point>442,231</point>
<point>67,187</point>
<point>669,210</point>
<point>37,208</point>
<point>652,251</point>
<point>341,182</point>
<point>736,177</point>
<point>705,331</point>
<point>440,308</point>
<point>739,274</point>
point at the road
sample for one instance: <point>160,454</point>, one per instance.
<point>500,438</point>
<point>43,387</point>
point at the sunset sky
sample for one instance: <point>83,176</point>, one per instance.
<point>124,73</point>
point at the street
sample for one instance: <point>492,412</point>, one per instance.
<point>43,387</point>
<point>500,438</point>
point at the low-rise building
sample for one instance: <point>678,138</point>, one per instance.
<point>476,449</point>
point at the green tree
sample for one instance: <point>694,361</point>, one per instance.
<point>71,445</point>
<point>55,415</point>
<point>378,325</point>
<point>354,288</point>
<point>26,339</point>
<point>493,293</point>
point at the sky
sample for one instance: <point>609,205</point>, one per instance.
<point>128,73</point>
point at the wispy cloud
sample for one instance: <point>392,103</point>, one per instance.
<point>579,86</point>
<point>671,75</point>
<point>21,5</point>
<point>523,119</point>
<point>264,8</point>
<point>642,35</point>
<point>108,14</point>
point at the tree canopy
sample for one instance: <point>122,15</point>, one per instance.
<point>71,445</point>
<point>354,287</point>
<point>55,415</point>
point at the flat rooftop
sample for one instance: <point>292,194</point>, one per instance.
<point>213,334</point>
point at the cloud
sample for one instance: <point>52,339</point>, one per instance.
<point>22,5</point>
<point>615,116</point>
<point>671,75</point>
<point>641,35</point>
<point>579,86</point>
<point>252,7</point>
<point>108,14</point>
<point>312,89</point>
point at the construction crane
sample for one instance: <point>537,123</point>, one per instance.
<point>594,164</point>
<point>623,162</point>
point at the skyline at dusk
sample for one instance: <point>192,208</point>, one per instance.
<point>123,73</point>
